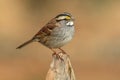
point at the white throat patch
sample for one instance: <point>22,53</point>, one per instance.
<point>70,23</point>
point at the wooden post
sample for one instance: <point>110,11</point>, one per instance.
<point>60,69</point>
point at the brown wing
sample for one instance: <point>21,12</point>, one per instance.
<point>47,29</point>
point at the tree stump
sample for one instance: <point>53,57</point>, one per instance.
<point>60,69</point>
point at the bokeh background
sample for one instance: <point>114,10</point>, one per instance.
<point>94,51</point>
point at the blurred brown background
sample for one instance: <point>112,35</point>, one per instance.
<point>94,51</point>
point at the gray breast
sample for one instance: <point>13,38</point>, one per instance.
<point>60,36</point>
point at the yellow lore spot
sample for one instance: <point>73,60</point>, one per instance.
<point>67,17</point>
<point>64,17</point>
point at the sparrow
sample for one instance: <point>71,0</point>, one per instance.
<point>56,33</point>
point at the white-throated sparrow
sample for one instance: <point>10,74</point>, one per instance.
<point>56,33</point>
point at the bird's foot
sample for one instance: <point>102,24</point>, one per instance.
<point>58,56</point>
<point>62,51</point>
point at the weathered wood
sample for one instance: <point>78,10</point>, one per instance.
<point>60,69</point>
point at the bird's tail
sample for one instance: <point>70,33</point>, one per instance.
<point>24,44</point>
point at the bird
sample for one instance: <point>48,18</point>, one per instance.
<point>56,33</point>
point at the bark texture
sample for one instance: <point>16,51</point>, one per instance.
<point>60,69</point>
